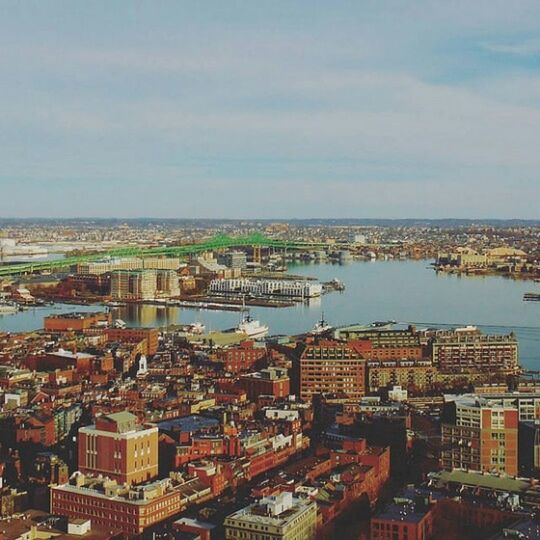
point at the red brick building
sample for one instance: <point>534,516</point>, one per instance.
<point>241,358</point>
<point>135,335</point>
<point>267,382</point>
<point>75,321</point>
<point>332,367</point>
<point>111,506</point>
<point>38,428</point>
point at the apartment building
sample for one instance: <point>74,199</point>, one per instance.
<point>480,435</point>
<point>461,351</point>
<point>331,367</point>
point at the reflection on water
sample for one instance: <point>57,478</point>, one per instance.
<point>147,315</point>
<point>405,291</point>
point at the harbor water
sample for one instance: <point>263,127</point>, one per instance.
<point>404,291</point>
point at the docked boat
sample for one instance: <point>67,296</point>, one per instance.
<point>321,327</point>
<point>252,328</point>
<point>197,328</point>
<point>119,323</point>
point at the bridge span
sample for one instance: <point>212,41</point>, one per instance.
<point>217,242</point>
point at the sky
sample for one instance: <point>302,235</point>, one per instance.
<point>270,109</point>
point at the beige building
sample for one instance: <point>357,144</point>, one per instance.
<point>405,373</point>
<point>118,447</point>
<point>144,284</point>
<point>167,283</point>
<point>280,517</point>
<point>128,263</point>
<point>133,284</point>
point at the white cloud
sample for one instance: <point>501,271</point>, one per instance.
<point>334,107</point>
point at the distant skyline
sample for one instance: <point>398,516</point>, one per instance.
<point>282,109</point>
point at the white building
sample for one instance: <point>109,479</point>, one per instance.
<point>266,287</point>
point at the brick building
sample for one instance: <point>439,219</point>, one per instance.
<point>459,351</point>
<point>405,373</point>
<point>118,447</point>
<point>480,435</point>
<point>135,335</point>
<point>112,506</point>
<point>241,358</point>
<point>331,367</point>
<point>267,382</point>
<point>75,321</point>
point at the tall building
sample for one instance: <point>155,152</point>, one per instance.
<point>118,447</point>
<point>167,283</point>
<point>133,284</point>
<point>280,517</point>
<point>108,265</point>
<point>381,336</point>
<point>144,284</point>
<point>331,367</point>
<point>480,435</point>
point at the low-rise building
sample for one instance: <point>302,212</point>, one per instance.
<point>267,382</point>
<point>280,517</point>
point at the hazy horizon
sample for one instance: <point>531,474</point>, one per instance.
<point>281,110</point>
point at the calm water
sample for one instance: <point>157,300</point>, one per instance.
<point>405,291</point>
<point>12,259</point>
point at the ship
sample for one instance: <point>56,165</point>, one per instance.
<point>252,328</point>
<point>197,328</point>
<point>321,327</point>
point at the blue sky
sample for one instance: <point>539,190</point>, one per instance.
<point>270,109</point>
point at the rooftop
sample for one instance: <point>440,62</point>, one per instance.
<point>260,513</point>
<point>191,423</point>
<point>486,481</point>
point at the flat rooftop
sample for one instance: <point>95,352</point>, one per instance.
<point>191,423</point>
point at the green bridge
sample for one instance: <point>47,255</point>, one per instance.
<point>216,243</point>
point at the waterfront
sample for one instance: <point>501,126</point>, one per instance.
<point>405,291</point>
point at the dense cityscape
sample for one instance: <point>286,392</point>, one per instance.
<point>373,429</point>
<point>269,270</point>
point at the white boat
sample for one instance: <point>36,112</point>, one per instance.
<point>197,328</point>
<point>321,327</point>
<point>252,328</point>
<point>119,323</point>
<point>116,304</point>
